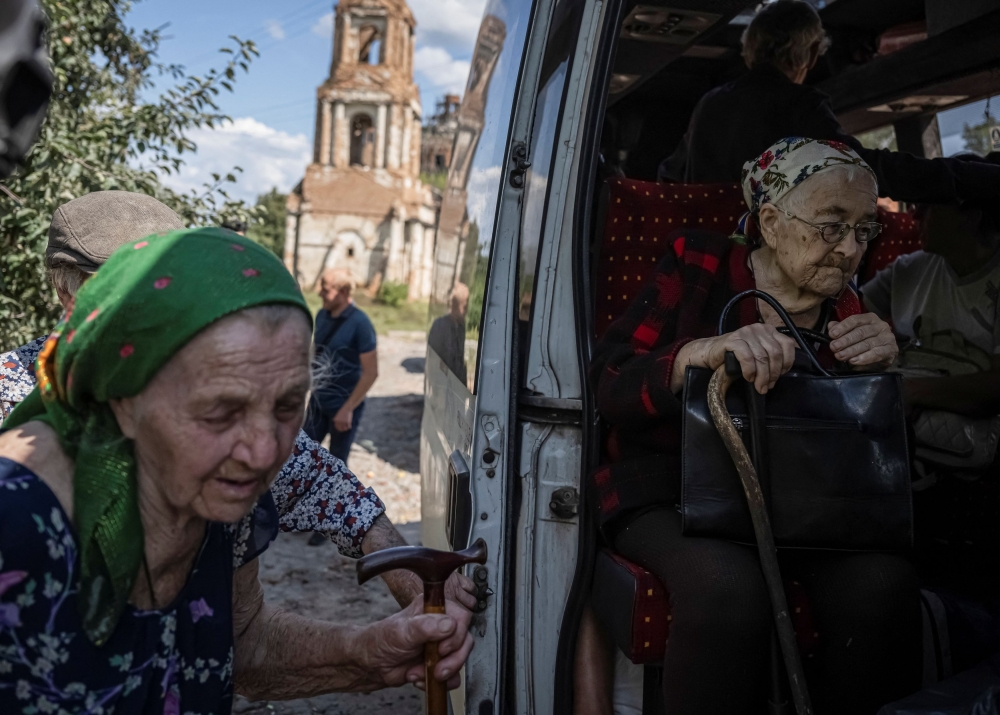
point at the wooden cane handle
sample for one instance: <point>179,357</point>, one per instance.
<point>433,568</point>
<point>437,691</point>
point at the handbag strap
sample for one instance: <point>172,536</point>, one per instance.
<point>792,328</point>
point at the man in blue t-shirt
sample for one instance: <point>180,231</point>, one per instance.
<point>347,365</point>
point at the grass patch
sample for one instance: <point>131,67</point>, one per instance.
<point>405,316</point>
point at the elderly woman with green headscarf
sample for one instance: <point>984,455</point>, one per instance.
<point>166,403</point>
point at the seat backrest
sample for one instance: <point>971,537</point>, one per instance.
<point>900,235</point>
<point>640,216</point>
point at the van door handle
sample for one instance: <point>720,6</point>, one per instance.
<point>459,526</point>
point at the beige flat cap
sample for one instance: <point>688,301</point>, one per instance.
<point>87,230</point>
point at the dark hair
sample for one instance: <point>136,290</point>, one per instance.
<point>782,34</point>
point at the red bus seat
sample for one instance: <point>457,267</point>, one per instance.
<point>633,608</point>
<point>640,215</point>
<point>900,235</point>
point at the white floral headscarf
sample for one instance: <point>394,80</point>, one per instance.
<point>789,162</point>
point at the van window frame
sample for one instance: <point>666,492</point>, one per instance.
<point>524,11</point>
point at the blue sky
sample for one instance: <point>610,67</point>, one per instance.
<point>273,106</point>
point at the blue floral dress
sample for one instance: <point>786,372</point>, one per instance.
<point>174,661</point>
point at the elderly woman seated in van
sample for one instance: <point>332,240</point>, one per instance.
<point>814,204</point>
<point>166,403</point>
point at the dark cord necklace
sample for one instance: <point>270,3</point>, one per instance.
<point>149,581</point>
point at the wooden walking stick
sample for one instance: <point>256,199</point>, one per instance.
<point>433,567</point>
<point>717,388</point>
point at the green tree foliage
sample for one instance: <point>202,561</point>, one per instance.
<point>269,231</point>
<point>392,293</point>
<point>100,134</point>
<point>977,138</point>
<point>437,179</point>
<point>881,138</point>
<point>475,266</point>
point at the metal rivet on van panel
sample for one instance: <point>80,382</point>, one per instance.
<point>491,473</point>
<point>484,516</point>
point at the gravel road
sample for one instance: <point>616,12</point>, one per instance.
<point>317,581</point>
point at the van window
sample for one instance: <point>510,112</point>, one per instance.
<point>544,131</point>
<point>469,207</point>
<point>542,150</point>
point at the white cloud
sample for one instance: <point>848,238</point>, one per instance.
<point>324,26</point>
<point>451,23</point>
<point>440,70</point>
<point>268,157</point>
<point>274,29</point>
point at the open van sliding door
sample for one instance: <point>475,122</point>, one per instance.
<point>550,381</point>
<point>467,441</point>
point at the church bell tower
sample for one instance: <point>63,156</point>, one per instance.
<point>361,205</point>
<point>368,111</point>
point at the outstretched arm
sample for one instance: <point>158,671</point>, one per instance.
<point>279,655</point>
<point>405,585</point>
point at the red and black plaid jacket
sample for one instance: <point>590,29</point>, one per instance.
<point>699,274</point>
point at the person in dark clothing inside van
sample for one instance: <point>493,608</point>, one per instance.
<point>944,300</point>
<point>943,304</point>
<point>744,117</point>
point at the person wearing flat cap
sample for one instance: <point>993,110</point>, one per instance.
<point>314,491</point>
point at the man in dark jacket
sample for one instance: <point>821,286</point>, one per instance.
<point>741,119</point>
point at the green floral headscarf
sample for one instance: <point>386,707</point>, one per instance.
<point>149,299</point>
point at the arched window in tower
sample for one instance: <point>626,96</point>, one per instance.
<point>362,141</point>
<point>370,41</point>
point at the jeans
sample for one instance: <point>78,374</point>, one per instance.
<point>320,424</point>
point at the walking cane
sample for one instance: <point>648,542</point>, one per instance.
<point>433,567</point>
<point>717,388</point>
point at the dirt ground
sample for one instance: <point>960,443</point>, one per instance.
<point>316,581</point>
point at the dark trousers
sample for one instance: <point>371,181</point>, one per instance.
<point>866,606</point>
<point>320,424</point>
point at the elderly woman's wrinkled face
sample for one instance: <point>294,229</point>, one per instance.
<point>218,421</point>
<point>809,262</point>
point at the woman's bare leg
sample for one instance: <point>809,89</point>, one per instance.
<point>594,672</point>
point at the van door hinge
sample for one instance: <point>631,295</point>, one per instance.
<point>494,441</point>
<point>519,159</point>
<point>481,579</point>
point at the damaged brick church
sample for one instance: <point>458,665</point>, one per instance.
<point>361,204</point>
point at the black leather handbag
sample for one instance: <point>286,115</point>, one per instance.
<point>830,451</point>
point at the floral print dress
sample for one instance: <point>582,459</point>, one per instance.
<point>174,661</point>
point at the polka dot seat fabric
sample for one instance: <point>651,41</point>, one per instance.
<point>640,216</point>
<point>900,235</point>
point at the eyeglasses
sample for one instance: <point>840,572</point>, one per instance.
<point>835,232</point>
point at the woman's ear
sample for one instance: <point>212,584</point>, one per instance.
<point>124,410</point>
<point>767,220</point>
